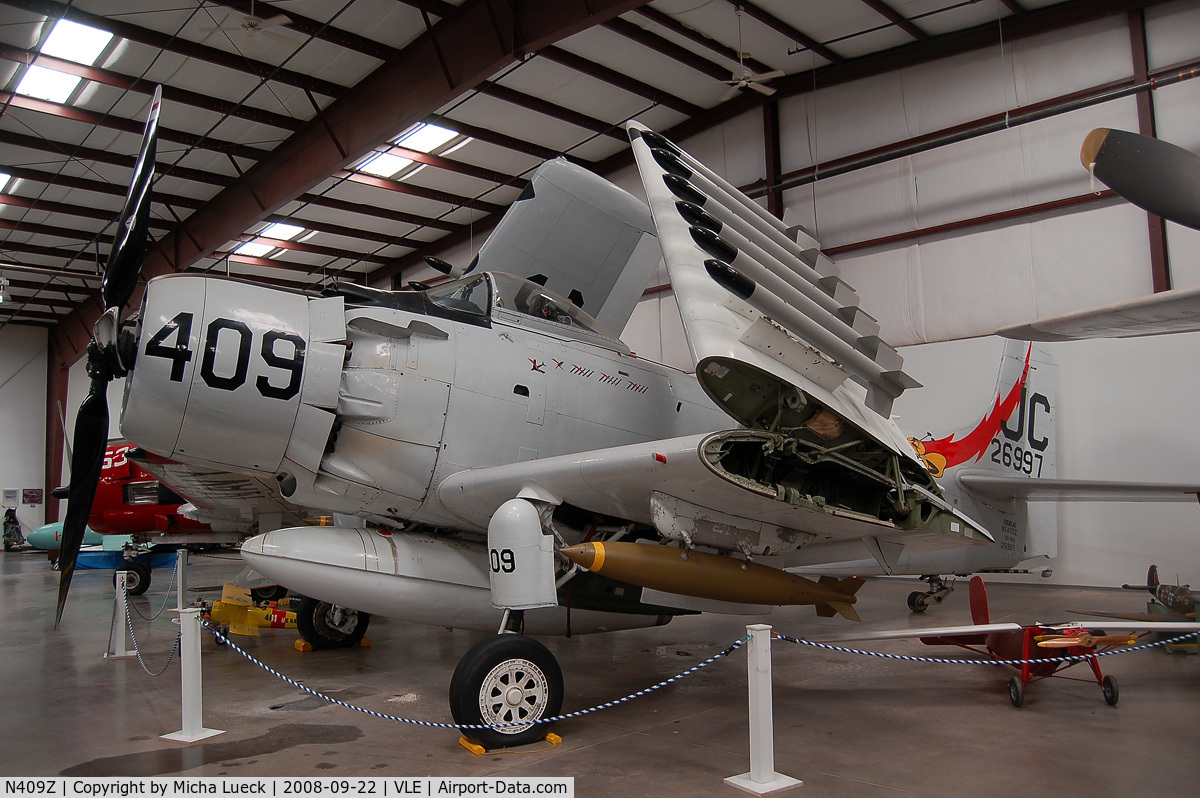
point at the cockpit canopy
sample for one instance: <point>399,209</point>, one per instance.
<point>493,293</point>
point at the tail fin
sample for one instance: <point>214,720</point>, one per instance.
<point>1015,438</point>
<point>979,605</point>
<point>1016,435</point>
<point>848,587</point>
<point>1152,582</point>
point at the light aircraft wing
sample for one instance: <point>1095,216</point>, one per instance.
<point>1175,311</point>
<point>1128,616</point>
<point>1003,487</point>
<point>579,235</point>
<point>229,500</point>
<point>960,632</point>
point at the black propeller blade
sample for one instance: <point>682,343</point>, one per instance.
<point>1152,174</point>
<point>110,354</point>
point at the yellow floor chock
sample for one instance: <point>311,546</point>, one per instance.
<point>479,750</point>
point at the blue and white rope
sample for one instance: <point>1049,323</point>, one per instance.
<point>1013,662</point>
<point>226,641</point>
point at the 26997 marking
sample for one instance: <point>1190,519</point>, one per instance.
<point>1017,458</point>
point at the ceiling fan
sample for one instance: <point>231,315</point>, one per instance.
<point>254,26</point>
<point>744,78</point>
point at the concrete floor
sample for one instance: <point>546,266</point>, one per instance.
<point>846,725</point>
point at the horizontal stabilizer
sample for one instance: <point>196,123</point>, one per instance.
<point>1004,487</point>
<point>1175,311</point>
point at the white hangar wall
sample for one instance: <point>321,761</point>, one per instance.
<point>22,417</point>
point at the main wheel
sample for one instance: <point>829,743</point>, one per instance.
<point>917,601</point>
<point>1016,691</point>
<point>271,593</point>
<point>325,625</point>
<point>1111,694</point>
<point>506,679</point>
<point>137,577</point>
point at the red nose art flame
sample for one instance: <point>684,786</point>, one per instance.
<point>975,443</point>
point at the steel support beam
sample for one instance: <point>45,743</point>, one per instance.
<point>179,45</point>
<point>8,100</point>
<point>620,80</point>
<point>779,26</point>
<point>479,38</point>
<point>1051,18</point>
<point>772,157</point>
<point>896,18</point>
<point>169,93</point>
<point>1160,265</point>
<point>678,28</point>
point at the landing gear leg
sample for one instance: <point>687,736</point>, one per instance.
<point>938,590</point>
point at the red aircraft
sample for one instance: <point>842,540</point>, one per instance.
<point>1039,647</point>
<point>130,500</point>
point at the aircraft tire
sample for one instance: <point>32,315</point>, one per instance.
<point>917,601</point>
<point>505,679</point>
<point>327,626</point>
<point>270,593</point>
<point>137,577</point>
<point>1016,691</point>
<point>1111,693</point>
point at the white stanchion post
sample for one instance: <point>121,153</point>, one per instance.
<point>181,561</point>
<point>120,623</point>
<point>190,681</point>
<point>762,778</point>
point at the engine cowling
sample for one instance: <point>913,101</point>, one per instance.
<point>235,375</point>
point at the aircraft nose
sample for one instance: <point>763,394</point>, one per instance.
<point>227,373</point>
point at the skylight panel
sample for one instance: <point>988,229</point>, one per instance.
<point>254,249</point>
<point>383,164</point>
<point>75,42</point>
<point>425,138</point>
<point>5,179</point>
<point>282,231</point>
<point>47,84</point>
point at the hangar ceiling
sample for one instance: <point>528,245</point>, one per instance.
<point>303,141</point>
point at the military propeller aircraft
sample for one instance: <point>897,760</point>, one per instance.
<point>500,461</point>
<point>1178,601</point>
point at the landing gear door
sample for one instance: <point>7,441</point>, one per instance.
<point>521,558</point>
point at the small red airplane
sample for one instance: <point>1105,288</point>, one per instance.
<point>1039,647</point>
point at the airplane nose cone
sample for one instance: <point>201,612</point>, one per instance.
<point>586,555</point>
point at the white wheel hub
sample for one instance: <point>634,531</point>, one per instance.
<point>515,691</point>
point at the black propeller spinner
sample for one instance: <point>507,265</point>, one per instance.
<point>1153,174</point>
<point>110,354</point>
